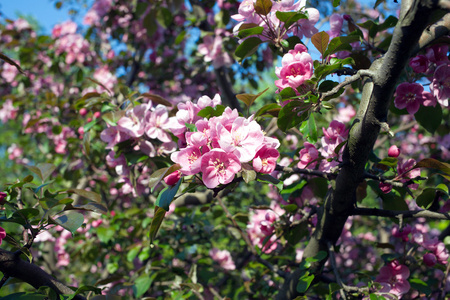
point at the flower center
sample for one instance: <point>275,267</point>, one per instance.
<point>219,165</point>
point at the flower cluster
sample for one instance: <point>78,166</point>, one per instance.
<point>394,279</point>
<point>297,67</point>
<point>274,29</point>
<point>223,257</point>
<point>434,64</point>
<point>77,48</point>
<point>334,135</point>
<point>261,229</point>
<point>220,145</point>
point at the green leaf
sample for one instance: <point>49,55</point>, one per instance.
<point>432,163</point>
<point>443,188</point>
<point>86,194</point>
<point>245,30</point>
<point>391,21</point>
<point>149,23</point>
<point>312,137</point>
<point>166,196</point>
<point>70,221</point>
<point>304,282</point>
<point>105,234</point>
<point>263,7</point>
<point>112,117</point>
<point>320,41</point>
<point>87,143</point>
<point>269,109</point>
<point>131,255</point>
<point>248,175</point>
<point>248,99</point>
<point>156,222</point>
<point>270,179</point>
<point>209,111</point>
<point>429,117</point>
<point>248,47</point>
<point>420,285</point>
<point>290,17</point>
<point>292,114</point>
<point>91,206</point>
<point>25,296</point>
<point>389,161</point>
<point>180,37</point>
<point>42,170</point>
<point>426,198</point>
<point>336,3</point>
<point>341,43</point>
<point>164,17</point>
<point>158,175</point>
<point>141,285</point>
<point>26,213</point>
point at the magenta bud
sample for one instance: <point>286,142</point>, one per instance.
<point>393,151</point>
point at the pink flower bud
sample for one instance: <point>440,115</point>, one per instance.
<point>429,259</point>
<point>385,187</point>
<point>172,178</point>
<point>96,115</point>
<point>83,111</point>
<point>393,151</point>
<point>347,17</point>
<point>3,198</point>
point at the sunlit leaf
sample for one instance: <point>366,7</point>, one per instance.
<point>248,99</point>
<point>320,41</point>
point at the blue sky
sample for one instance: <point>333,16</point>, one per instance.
<point>42,10</point>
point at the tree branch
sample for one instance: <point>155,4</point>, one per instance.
<point>435,31</point>
<point>305,172</point>
<point>403,214</point>
<point>12,265</point>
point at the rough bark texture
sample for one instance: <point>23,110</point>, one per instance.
<point>13,266</point>
<point>372,113</point>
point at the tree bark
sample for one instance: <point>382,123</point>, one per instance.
<point>378,90</point>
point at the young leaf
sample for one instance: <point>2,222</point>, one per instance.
<point>156,222</point>
<point>263,7</point>
<point>432,163</point>
<point>86,194</point>
<point>312,137</point>
<point>292,114</point>
<point>248,99</point>
<point>320,41</point>
<point>243,33</point>
<point>157,99</point>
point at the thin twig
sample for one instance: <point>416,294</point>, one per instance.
<point>306,172</point>
<point>347,81</point>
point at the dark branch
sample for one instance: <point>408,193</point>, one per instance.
<point>13,266</point>
<point>404,214</point>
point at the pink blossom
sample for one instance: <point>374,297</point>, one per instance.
<point>409,96</point>
<point>189,159</point>
<point>419,64</point>
<point>334,135</point>
<point>438,249</point>
<point>297,67</point>
<point>243,139</point>
<point>393,151</point>
<point>265,160</point>
<point>260,227</point>
<point>9,73</point>
<point>2,234</point>
<point>440,85</point>
<point>437,54</point>
<point>219,167</point>
<point>402,233</point>
<point>223,257</point>
<point>211,49</point>
<point>8,111</point>
<point>405,171</point>
<point>395,276</point>
<point>158,123</point>
<point>336,21</point>
<point>113,135</point>
<point>346,114</point>
<point>307,156</point>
